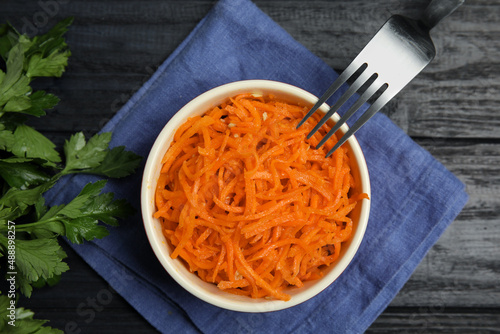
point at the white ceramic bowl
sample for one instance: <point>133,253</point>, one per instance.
<point>189,281</point>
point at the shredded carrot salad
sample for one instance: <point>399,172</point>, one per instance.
<point>248,203</point>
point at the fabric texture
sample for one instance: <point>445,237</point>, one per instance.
<point>414,198</point>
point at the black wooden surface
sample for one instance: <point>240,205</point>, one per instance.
<point>452,109</point>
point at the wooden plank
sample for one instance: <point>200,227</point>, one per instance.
<point>437,320</point>
<point>463,267</point>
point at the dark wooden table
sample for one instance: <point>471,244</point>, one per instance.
<point>452,109</point>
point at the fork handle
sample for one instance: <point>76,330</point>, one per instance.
<point>438,10</point>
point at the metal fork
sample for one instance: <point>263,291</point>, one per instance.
<point>392,58</point>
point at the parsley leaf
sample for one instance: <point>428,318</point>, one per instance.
<point>29,143</point>
<point>48,54</point>
<point>19,200</point>
<point>8,38</point>
<point>52,65</point>
<point>43,56</point>
<point>17,104</point>
<point>104,208</point>
<point>96,158</point>
<point>22,174</point>
<point>14,83</point>
<point>81,155</point>
<point>84,228</point>
<point>39,102</point>
<point>52,41</point>
<point>117,163</point>
<point>24,322</point>
<point>6,138</point>
<point>40,258</point>
<point>37,258</point>
<point>79,219</point>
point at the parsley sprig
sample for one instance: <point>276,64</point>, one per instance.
<point>30,165</point>
<point>24,321</point>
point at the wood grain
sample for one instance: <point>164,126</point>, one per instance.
<point>451,109</point>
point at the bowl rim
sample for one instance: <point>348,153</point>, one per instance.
<point>148,186</point>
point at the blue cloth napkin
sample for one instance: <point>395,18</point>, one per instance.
<point>414,198</point>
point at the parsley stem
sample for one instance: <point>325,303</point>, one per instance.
<point>34,224</point>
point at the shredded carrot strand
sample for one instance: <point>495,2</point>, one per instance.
<point>247,201</point>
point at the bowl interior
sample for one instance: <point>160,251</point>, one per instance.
<point>176,268</point>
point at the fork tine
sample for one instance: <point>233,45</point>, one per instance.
<point>372,89</point>
<point>360,81</point>
<point>372,110</point>
<point>341,79</point>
